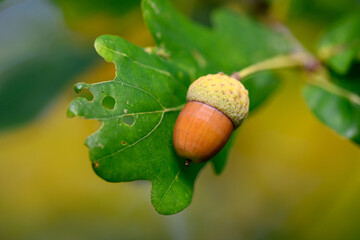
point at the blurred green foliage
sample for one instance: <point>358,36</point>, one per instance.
<point>84,8</point>
<point>39,58</point>
<point>30,86</point>
<point>322,11</point>
<point>340,47</point>
<point>336,99</point>
<point>336,111</point>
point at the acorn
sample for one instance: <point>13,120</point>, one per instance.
<point>216,105</point>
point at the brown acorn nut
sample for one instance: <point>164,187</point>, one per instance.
<point>216,105</point>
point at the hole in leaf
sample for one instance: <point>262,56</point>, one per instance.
<point>85,93</point>
<point>108,102</point>
<point>128,120</point>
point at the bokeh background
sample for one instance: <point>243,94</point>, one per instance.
<point>288,177</point>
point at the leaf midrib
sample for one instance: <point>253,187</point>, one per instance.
<point>169,187</point>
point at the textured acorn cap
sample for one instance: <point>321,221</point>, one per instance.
<point>222,92</point>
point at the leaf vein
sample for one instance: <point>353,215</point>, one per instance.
<point>169,187</point>
<point>140,89</point>
<point>174,109</point>
<point>136,142</point>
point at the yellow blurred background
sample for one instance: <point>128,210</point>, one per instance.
<point>288,177</point>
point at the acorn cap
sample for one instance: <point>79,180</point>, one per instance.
<point>222,92</point>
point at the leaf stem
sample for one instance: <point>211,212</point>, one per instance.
<point>278,62</point>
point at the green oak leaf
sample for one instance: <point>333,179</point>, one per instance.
<point>340,46</point>
<point>138,109</point>
<point>337,104</point>
<point>135,140</point>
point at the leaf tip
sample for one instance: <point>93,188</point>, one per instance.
<point>102,46</point>
<point>173,198</point>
